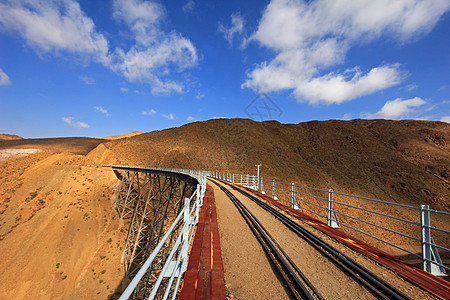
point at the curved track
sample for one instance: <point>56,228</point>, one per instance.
<point>297,284</point>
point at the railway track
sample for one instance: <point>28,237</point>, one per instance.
<point>296,283</point>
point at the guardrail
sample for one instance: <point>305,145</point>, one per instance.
<point>176,262</point>
<point>373,214</point>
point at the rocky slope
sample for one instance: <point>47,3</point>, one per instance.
<point>402,161</point>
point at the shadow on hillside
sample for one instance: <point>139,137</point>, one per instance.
<point>119,289</point>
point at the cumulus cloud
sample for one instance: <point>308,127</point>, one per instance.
<point>62,28</point>
<point>102,110</point>
<point>149,112</point>
<point>75,124</point>
<point>446,119</point>
<point>397,108</point>
<point>190,118</point>
<point>54,27</point>
<point>155,54</point>
<point>87,80</point>
<point>305,45</point>
<point>169,116</point>
<point>4,79</point>
<point>235,29</point>
<point>123,89</point>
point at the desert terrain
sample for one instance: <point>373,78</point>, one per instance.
<point>397,161</point>
<point>60,236</point>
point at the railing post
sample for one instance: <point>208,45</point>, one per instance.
<point>426,238</point>
<point>274,191</point>
<point>241,183</point>
<point>262,186</point>
<point>233,178</point>
<point>248,181</point>
<point>294,206</point>
<point>332,217</point>
<point>198,203</point>
<point>185,238</point>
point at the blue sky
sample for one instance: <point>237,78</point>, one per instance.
<point>99,68</point>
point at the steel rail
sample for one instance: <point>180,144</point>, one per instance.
<point>373,283</point>
<point>279,259</point>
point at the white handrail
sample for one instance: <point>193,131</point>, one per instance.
<point>291,197</point>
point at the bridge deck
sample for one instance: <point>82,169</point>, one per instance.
<point>204,277</point>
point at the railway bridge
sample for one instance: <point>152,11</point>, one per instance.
<point>211,235</point>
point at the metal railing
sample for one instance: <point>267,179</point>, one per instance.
<point>377,219</point>
<point>176,262</point>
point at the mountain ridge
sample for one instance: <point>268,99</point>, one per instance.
<point>404,161</point>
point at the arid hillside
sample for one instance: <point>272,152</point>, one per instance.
<point>121,136</point>
<point>401,161</point>
<point>76,145</point>
<point>10,137</point>
<point>398,161</point>
<point>60,236</point>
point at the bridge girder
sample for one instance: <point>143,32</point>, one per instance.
<point>150,200</point>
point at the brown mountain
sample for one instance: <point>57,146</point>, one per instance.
<point>61,237</point>
<point>76,145</point>
<point>403,161</point>
<point>10,137</point>
<point>121,136</point>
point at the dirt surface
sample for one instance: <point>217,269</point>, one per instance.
<point>6,154</point>
<point>313,264</point>
<point>248,274</point>
<point>60,237</point>
<point>76,145</point>
<point>121,136</point>
<point>10,137</point>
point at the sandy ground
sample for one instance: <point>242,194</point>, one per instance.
<point>6,154</point>
<point>60,237</point>
<point>246,267</point>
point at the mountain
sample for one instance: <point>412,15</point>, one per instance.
<point>403,161</point>
<point>76,145</point>
<point>121,136</point>
<point>61,237</point>
<point>10,137</point>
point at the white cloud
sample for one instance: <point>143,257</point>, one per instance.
<point>189,7</point>
<point>156,54</point>
<point>102,110</point>
<point>74,124</point>
<point>61,28</point>
<point>236,28</point>
<point>190,118</point>
<point>54,27</point>
<point>123,89</point>
<point>310,37</point>
<point>397,108</point>
<point>411,87</point>
<point>200,95</point>
<point>338,88</point>
<point>169,116</point>
<point>149,112</point>
<point>4,79</point>
<point>446,119</point>
<point>87,80</point>
<point>347,116</point>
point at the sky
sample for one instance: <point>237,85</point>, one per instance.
<point>100,68</point>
